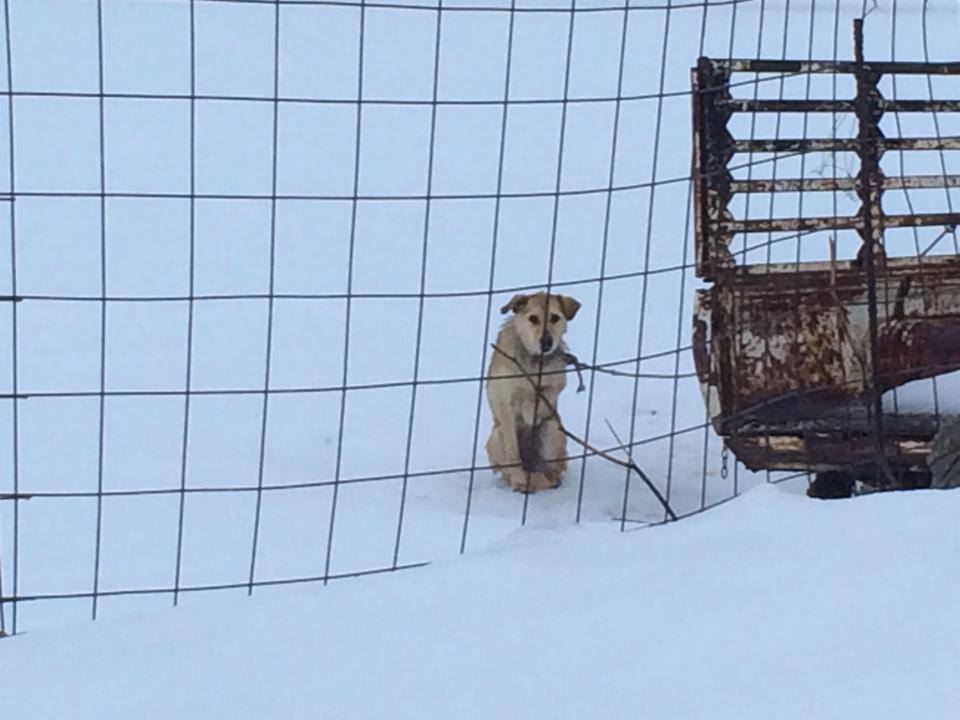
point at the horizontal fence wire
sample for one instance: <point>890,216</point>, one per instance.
<point>511,8</point>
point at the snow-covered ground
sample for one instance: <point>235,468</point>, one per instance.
<point>941,393</point>
<point>50,544</point>
<point>770,606</point>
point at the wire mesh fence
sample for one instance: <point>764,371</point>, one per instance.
<point>258,248</point>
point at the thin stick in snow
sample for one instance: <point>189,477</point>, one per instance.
<point>630,464</point>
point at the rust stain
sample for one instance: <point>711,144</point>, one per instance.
<point>792,358</point>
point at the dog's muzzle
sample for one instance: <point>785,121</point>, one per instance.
<point>546,343</point>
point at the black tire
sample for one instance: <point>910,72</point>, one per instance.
<point>831,485</point>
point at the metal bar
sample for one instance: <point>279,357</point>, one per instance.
<point>921,220</point>
<point>699,172</point>
<point>844,144</point>
<point>868,133</point>
<point>792,185</point>
<point>834,223</point>
<point>836,106</point>
<point>713,149</point>
<point>907,182</point>
<point>840,67</point>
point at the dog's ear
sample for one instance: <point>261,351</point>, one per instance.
<point>568,305</point>
<point>517,303</point>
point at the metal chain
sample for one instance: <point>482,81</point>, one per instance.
<point>724,458</point>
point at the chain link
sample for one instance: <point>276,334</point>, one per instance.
<point>724,458</point>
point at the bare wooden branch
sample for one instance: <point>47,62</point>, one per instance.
<point>633,466</point>
<point>629,464</point>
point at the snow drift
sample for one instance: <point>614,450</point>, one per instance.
<point>770,606</point>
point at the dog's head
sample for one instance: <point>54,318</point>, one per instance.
<point>540,320</point>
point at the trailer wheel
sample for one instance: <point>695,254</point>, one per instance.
<point>831,485</point>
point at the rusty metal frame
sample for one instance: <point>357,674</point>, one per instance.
<point>796,382</point>
<point>714,148</point>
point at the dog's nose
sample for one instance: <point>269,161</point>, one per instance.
<point>546,342</point>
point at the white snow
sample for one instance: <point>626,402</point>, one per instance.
<point>770,606</point>
<point>940,394</point>
<point>49,545</point>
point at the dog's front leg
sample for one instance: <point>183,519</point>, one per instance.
<point>529,421</point>
<point>554,447</point>
<point>504,448</point>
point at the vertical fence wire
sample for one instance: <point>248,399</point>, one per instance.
<point>648,239</point>
<point>492,272</point>
<point>354,206</point>
<point>424,248</point>
<point>268,354</point>
<point>709,393</point>
<point>681,317</point>
<point>768,260</point>
<point>14,340</point>
<point>607,211</point>
<point>102,399</point>
<point>555,217</point>
<point>762,17</point>
<point>804,132</point>
<point>191,305</point>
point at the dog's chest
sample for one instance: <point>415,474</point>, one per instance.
<point>550,379</point>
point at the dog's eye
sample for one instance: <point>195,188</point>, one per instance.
<point>554,318</point>
<point>534,319</point>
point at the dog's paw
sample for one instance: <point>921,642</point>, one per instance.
<point>544,481</point>
<point>529,482</point>
<point>554,479</point>
<point>537,481</point>
<point>517,481</point>
<point>554,474</point>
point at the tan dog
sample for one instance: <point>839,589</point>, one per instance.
<point>526,444</point>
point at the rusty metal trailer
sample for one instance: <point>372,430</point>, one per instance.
<point>793,358</point>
